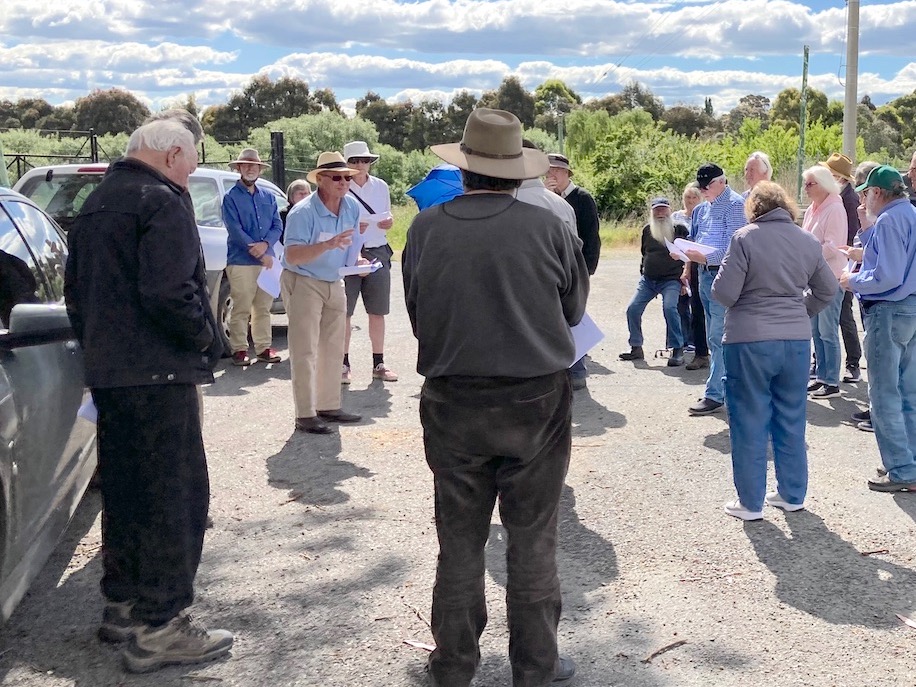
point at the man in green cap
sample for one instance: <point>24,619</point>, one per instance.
<point>886,285</point>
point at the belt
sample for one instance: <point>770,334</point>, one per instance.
<point>867,304</point>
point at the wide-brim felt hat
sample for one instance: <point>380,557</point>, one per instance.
<point>492,146</point>
<point>248,156</point>
<point>330,162</point>
<point>840,165</point>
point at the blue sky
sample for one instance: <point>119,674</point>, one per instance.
<point>683,50</point>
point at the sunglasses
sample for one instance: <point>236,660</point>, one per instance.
<point>361,160</point>
<point>336,177</point>
<point>809,184</point>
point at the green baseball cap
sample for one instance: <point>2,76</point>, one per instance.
<point>885,177</point>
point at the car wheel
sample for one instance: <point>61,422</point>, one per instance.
<point>223,312</point>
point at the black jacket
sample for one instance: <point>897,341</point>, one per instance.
<point>587,225</point>
<point>657,262</point>
<point>135,284</point>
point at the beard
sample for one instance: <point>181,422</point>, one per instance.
<point>661,229</point>
<point>249,179</point>
<point>871,212</point>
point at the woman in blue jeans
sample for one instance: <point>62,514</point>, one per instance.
<point>762,283</point>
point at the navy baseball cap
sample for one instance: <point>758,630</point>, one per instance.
<point>708,173</point>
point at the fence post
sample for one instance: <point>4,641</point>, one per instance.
<point>93,146</point>
<point>203,152</point>
<point>277,159</point>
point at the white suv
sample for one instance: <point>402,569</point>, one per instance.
<point>60,191</point>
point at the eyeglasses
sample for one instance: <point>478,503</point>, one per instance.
<point>336,177</point>
<point>361,160</point>
<point>809,184</point>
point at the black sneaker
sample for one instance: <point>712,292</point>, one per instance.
<point>864,416</point>
<point>853,375</point>
<point>814,386</point>
<point>565,673</point>
<point>704,406</point>
<point>826,391</point>
<point>677,357</point>
<point>635,353</point>
<point>866,426</point>
<point>178,642</point>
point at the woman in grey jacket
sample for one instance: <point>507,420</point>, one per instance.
<point>772,280</point>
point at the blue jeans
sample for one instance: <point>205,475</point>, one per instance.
<point>825,330</point>
<point>765,388</point>
<point>646,290</point>
<point>715,326</point>
<point>890,348</point>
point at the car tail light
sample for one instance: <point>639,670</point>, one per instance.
<point>92,170</point>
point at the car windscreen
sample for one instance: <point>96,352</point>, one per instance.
<point>208,201</point>
<point>61,195</point>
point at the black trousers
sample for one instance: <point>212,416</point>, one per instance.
<point>155,496</point>
<point>850,332</point>
<point>697,315</point>
<point>489,438</point>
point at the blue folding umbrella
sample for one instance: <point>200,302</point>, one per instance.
<point>439,186</point>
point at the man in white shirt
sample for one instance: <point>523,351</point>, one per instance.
<point>374,208</point>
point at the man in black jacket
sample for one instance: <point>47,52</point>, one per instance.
<point>661,274</point>
<point>135,290</point>
<point>559,180</point>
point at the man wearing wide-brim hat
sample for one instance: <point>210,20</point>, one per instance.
<point>319,229</point>
<point>886,285</point>
<point>492,286</point>
<point>842,169</point>
<point>253,222</point>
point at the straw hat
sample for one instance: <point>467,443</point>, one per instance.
<point>840,165</point>
<point>249,156</point>
<point>492,146</point>
<point>330,162</point>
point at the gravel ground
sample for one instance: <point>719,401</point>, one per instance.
<point>323,552</point>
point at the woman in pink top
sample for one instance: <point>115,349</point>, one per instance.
<point>825,218</point>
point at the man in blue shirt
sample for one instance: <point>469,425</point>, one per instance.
<point>886,285</point>
<point>713,224</point>
<point>318,231</point>
<point>253,222</point>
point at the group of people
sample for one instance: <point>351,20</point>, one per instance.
<point>496,403</point>
<point>768,289</point>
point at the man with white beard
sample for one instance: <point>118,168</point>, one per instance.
<point>660,275</point>
<point>886,285</point>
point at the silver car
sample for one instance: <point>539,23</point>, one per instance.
<point>47,452</point>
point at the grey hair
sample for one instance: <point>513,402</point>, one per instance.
<point>295,185</point>
<point>161,135</point>
<point>693,190</point>
<point>183,117</point>
<point>823,177</point>
<point>863,170</point>
<point>763,159</point>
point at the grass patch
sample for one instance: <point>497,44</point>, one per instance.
<point>614,234</point>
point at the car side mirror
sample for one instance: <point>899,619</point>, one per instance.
<point>34,324</point>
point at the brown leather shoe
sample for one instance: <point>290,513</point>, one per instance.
<point>698,362</point>
<point>338,416</point>
<point>312,425</point>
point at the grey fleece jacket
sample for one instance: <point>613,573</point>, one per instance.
<point>772,280</point>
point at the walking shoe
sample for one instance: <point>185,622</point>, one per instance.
<point>690,348</point>
<point>241,359</point>
<point>885,483</point>
<point>677,357</point>
<point>312,425</point>
<point>774,499</point>
<point>565,673</point>
<point>345,376</point>
<point>881,472</point>
<point>826,391</point>
<point>736,510</point>
<point>117,625</point>
<point>178,642</point>
<point>864,416</point>
<point>814,386</point>
<point>865,426</point>
<point>635,353</point>
<point>578,382</point>
<point>698,362</point>
<point>339,416</point>
<point>268,355</point>
<point>853,374</point>
<point>704,406</point>
<point>384,373</point>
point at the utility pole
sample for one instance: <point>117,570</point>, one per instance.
<point>560,134</point>
<point>802,124</point>
<point>850,105</point>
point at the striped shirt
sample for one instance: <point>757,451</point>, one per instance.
<point>713,224</point>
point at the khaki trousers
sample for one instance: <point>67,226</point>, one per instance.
<point>317,312</point>
<point>249,302</point>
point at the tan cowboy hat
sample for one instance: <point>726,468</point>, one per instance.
<point>248,156</point>
<point>330,162</point>
<point>492,146</point>
<point>840,165</point>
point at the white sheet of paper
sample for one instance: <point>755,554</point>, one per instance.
<point>586,336</point>
<point>354,249</point>
<point>359,269</point>
<point>269,277</point>
<point>684,245</point>
<point>674,250</point>
<point>376,218</point>
<point>88,411</point>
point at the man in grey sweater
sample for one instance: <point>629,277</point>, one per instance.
<point>492,287</point>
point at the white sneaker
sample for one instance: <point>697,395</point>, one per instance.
<point>774,499</point>
<point>736,510</point>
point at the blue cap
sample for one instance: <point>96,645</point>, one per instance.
<point>660,202</point>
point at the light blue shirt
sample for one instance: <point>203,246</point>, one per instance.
<point>889,260</point>
<point>307,220</point>
<point>713,224</point>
